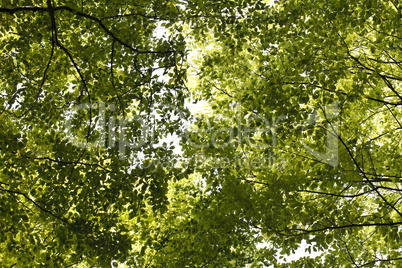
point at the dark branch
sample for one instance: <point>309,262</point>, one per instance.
<point>35,203</point>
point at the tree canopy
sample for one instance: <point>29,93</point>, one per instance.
<point>299,143</point>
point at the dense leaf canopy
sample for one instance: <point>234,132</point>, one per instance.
<point>299,143</point>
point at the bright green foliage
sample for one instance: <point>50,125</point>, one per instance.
<point>299,59</point>
<point>63,204</point>
<point>301,142</point>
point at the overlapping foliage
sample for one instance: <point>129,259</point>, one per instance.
<point>301,143</point>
